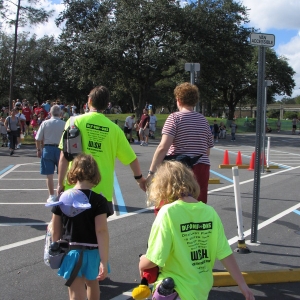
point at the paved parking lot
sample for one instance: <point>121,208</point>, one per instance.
<point>23,220</point>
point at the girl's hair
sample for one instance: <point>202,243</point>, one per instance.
<point>172,180</point>
<point>84,167</point>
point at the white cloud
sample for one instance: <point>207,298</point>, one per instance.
<point>279,14</point>
<point>291,51</point>
<point>40,30</point>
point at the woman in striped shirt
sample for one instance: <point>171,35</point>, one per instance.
<point>187,132</point>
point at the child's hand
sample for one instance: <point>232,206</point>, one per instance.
<point>102,272</point>
<point>247,292</point>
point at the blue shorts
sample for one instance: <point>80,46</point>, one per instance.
<point>49,159</point>
<point>90,264</point>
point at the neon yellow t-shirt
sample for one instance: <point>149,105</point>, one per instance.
<point>185,240</point>
<point>105,141</point>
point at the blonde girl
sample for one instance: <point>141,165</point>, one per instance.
<point>187,236</point>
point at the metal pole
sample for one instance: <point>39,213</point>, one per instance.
<point>258,142</point>
<point>192,74</point>
<point>264,128</point>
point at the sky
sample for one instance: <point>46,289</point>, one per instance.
<point>278,17</point>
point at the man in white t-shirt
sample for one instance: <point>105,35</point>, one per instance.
<point>129,122</point>
<point>152,124</point>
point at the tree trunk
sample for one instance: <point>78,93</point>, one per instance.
<point>12,76</point>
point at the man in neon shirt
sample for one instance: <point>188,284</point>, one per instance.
<point>105,141</point>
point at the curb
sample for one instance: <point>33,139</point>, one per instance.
<point>258,277</point>
<point>214,181</point>
<point>243,166</point>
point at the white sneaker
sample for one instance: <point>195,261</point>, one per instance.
<point>142,143</point>
<point>18,146</point>
<point>145,144</point>
<point>51,199</point>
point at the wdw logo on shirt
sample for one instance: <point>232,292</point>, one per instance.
<point>195,226</point>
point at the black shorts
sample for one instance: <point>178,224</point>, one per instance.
<point>294,126</point>
<point>127,130</point>
<point>18,132</point>
<point>27,123</point>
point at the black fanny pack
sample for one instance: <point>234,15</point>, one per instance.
<point>185,159</point>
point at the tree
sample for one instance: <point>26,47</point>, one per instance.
<point>27,14</point>
<point>6,44</point>
<point>138,41</point>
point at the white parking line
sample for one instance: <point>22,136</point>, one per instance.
<point>24,190</point>
<point>23,179</point>
<point>18,203</point>
<point>9,171</point>
<point>39,238</point>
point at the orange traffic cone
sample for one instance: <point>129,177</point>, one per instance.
<point>252,160</point>
<point>239,159</point>
<point>226,158</point>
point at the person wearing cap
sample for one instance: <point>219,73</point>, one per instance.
<point>47,140</point>
<point>105,141</point>
<point>80,217</point>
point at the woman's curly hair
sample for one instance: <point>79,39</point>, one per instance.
<point>187,94</point>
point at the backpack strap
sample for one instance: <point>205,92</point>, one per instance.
<point>75,270</point>
<point>72,121</point>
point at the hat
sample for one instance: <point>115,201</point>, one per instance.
<point>72,202</point>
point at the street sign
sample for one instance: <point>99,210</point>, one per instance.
<point>192,67</point>
<point>262,39</point>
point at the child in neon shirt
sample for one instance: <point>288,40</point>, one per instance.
<point>187,236</point>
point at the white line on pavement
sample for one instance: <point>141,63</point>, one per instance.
<point>23,179</point>
<point>9,171</point>
<point>26,203</point>
<point>267,222</point>
<point>250,180</point>
<point>17,190</point>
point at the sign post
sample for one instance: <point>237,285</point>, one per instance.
<point>193,68</point>
<point>261,40</point>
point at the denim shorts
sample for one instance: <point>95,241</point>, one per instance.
<point>49,159</point>
<point>90,264</point>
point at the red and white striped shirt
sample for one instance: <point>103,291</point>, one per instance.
<point>192,135</point>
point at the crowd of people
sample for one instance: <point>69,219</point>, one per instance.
<point>25,118</point>
<point>177,185</point>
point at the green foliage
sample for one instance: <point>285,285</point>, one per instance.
<point>273,113</point>
<point>290,115</point>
